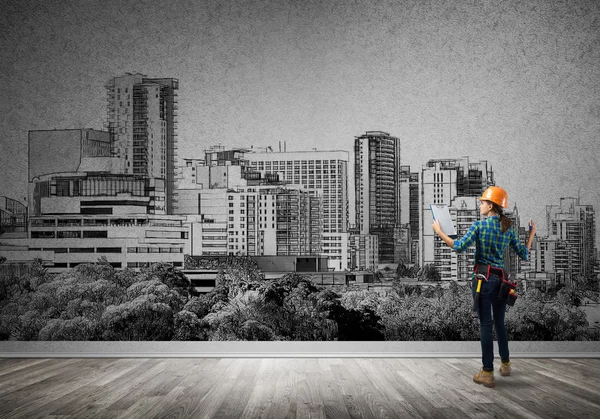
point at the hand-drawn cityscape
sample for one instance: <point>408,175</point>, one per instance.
<point>122,200</point>
<point>125,194</point>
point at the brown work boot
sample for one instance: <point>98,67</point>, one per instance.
<point>505,369</point>
<point>486,378</point>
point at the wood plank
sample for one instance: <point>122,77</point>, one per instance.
<point>86,398</point>
<point>140,383</point>
<point>472,403</point>
<point>415,400</point>
<point>59,379</point>
<point>361,398</point>
<point>285,395</point>
<point>571,373</point>
<point>561,398</point>
<point>207,399</point>
<point>261,398</point>
<point>118,375</point>
<point>147,405</point>
<point>310,399</point>
<point>239,391</point>
<point>32,374</point>
<point>332,397</point>
<point>8,365</point>
<point>203,375</point>
<point>368,378</point>
<point>55,386</point>
<point>383,378</point>
<point>429,384</point>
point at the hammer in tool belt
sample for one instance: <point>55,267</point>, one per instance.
<point>480,278</point>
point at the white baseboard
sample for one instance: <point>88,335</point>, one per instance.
<point>231,349</point>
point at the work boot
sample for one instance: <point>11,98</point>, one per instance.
<point>505,369</point>
<point>486,378</point>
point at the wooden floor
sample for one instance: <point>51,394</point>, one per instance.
<point>294,388</point>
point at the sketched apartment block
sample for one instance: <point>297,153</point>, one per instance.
<point>452,265</point>
<point>451,182</point>
<point>569,251</point>
<point>258,221</point>
<point>363,251</point>
<point>236,210</point>
<point>322,172</point>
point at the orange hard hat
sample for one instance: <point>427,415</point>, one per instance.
<point>496,195</point>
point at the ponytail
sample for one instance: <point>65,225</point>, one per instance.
<point>505,222</point>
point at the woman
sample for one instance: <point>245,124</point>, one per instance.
<point>491,237</point>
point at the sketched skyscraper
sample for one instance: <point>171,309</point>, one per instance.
<point>377,180</point>
<point>573,226</point>
<point>142,121</point>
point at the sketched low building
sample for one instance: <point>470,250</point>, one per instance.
<point>126,241</point>
<point>80,217</point>
<point>82,206</point>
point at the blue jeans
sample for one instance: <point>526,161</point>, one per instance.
<point>489,304</point>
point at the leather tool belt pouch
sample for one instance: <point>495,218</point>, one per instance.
<point>507,292</point>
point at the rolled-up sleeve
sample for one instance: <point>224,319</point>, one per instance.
<point>467,239</point>
<point>518,247</point>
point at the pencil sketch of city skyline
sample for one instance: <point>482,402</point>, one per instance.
<point>508,86</point>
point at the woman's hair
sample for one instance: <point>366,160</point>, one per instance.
<point>505,222</point>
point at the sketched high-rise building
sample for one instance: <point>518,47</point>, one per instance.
<point>377,180</point>
<point>142,121</point>
<point>325,171</point>
<point>572,227</point>
<point>451,182</point>
<point>409,211</point>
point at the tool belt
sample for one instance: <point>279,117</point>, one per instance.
<point>507,288</point>
<point>488,270</point>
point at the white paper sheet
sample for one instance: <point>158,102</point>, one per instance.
<point>441,212</point>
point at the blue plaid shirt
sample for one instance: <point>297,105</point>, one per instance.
<point>491,242</point>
